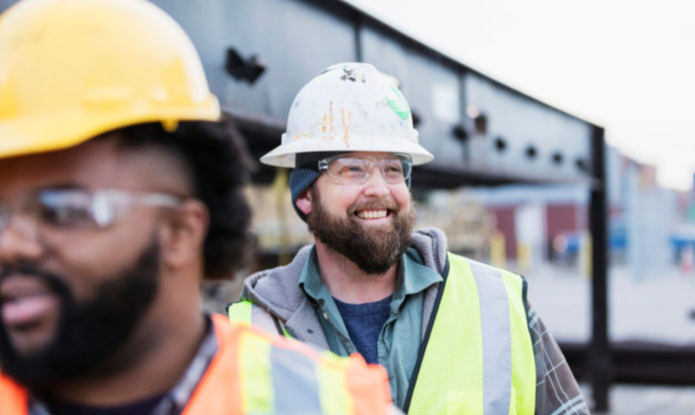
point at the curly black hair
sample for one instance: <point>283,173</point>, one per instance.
<point>219,166</point>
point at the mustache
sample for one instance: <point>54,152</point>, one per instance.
<point>54,281</point>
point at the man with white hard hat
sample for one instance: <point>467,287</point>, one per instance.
<point>455,335</point>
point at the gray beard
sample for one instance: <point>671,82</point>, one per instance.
<point>374,251</point>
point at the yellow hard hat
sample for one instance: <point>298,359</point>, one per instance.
<point>74,69</point>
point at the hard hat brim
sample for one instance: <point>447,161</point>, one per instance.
<point>62,129</point>
<point>285,154</point>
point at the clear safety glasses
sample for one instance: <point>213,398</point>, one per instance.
<point>356,169</point>
<point>79,208</point>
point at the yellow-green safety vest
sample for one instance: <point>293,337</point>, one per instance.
<point>476,356</point>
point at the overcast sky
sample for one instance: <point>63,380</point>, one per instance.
<point>628,65</point>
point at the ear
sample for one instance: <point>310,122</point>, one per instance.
<point>304,202</point>
<point>183,234</point>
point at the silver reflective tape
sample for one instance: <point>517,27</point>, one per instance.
<point>497,353</point>
<point>295,382</point>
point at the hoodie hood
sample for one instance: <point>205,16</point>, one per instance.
<point>276,290</point>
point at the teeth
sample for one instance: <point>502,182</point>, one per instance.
<point>372,214</point>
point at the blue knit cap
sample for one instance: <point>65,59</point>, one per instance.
<point>307,172</point>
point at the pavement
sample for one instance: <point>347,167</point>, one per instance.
<point>655,307</point>
<point>649,400</point>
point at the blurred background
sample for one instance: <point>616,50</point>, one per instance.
<point>564,150</point>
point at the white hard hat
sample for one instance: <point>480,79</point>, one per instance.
<point>349,107</point>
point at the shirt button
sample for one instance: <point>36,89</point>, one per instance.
<point>325,315</point>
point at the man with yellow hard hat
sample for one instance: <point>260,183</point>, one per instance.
<point>120,191</point>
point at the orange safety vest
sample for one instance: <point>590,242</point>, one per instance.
<point>254,372</point>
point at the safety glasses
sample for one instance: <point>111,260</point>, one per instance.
<point>79,208</point>
<point>356,169</point>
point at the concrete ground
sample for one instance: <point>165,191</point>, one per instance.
<point>649,400</point>
<point>656,307</point>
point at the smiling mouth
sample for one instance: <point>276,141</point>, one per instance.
<point>372,214</point>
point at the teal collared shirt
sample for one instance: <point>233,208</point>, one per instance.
<point>399,339</point>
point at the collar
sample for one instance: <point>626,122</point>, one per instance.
<point>413,278</point>
<point>310,279</point>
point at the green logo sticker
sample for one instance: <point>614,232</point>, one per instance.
<point>399,104</point>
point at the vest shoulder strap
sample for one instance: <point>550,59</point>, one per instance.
<point>246,312</point>
<point>217,392</point>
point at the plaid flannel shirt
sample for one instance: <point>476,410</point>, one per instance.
<point>557,392</point>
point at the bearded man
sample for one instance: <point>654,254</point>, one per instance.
<point>455,335</point>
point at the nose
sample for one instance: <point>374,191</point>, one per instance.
<point>19,241</point>
<point>376,185</point>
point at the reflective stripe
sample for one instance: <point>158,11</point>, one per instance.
<point>295,382</point>
<point>523,360</point>
<point>331,375</point>
<point>494,318</point>
<point>256,377</point>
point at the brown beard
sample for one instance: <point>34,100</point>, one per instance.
<point>374,251</point>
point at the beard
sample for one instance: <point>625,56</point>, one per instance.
<point>88,332</point>
<point>373,250</point>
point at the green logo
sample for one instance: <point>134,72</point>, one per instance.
<point>399,104</point>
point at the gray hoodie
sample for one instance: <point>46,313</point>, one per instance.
<point>277,290</point>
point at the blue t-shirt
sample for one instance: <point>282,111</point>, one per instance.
<point>364,323</point>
